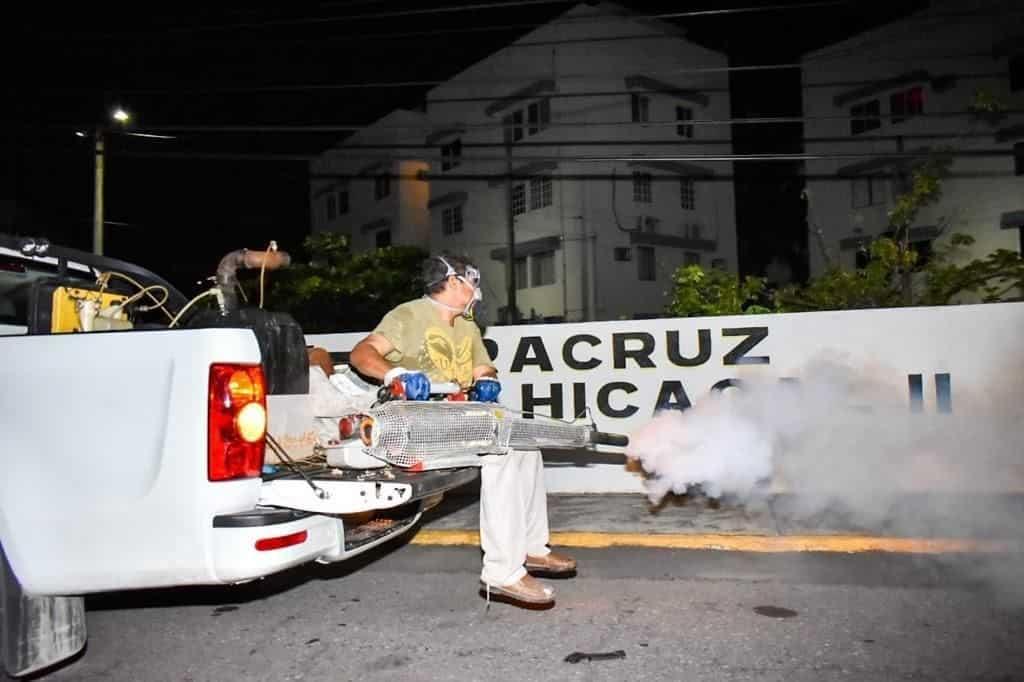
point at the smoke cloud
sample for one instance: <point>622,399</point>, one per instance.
<point>842,445</point>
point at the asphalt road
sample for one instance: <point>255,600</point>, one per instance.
<point>414,613</point>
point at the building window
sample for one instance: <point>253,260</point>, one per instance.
<point>1017,72</point>
<point>332,207</point>
<point>383,239</point>
<point>343,200</point>
<point>1018,158</point>
<point>533,118</point>
<point>623,254</point>
<point>646,223</point>
<point>645,269</point>
<point>691,258</point>
<point>906,103</point>
<point>451,154</point>
<point>381,186</point>
<point>451,220</point>
<point>642,187</point>
<point>545,112</point>
<point>692,231</point>
<point>718,263</point>
<point>865,117</point>
<point>866,191</point>
<point>537,116</point>
<point>684,114</point>
<point>687,196</point>
<point>540,192</point>
<point>640,108</point>
<point>510,129</point>
<point>542,268</point>
<point>521,273</point>
<point>518,199</point>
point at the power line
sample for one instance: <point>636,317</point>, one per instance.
<point>426,128</point>
<point>362,38</point>
<point>676,141</point>
<point>306,21</point>
<point>718,177</point>
<point>449,176</point>
<point>622,93</point>
<point>376,15</point>
<point>746,10</point>
<point>326,87</point>
<point>914,23</point>
<point>631,158</point>
<point>524,78</point>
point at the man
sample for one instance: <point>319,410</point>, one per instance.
<point>431,339</point>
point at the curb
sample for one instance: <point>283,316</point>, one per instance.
<point>848,544</point>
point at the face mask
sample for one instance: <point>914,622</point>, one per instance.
<point>478,296</point>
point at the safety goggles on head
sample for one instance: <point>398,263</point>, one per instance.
<point>471,276</point>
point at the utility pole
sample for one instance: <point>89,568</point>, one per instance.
<point>122,118</point>
<point>510,257</point>
<point>97,211</point>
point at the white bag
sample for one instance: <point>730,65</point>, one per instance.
<point>340,395</point>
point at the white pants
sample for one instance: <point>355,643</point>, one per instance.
<point>513,514</point>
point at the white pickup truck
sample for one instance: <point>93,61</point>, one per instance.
<point>133,452</point>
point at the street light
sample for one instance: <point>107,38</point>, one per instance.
<point>122,118</point>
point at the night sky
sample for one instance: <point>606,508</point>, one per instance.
<point>172,65</point>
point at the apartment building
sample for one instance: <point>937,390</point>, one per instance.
<point>581,146</point>
<point>944,81</point>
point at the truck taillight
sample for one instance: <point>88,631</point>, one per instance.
<point>281,541</point>
<point>237,421</point>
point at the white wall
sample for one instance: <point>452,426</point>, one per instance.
<point>977,346</point>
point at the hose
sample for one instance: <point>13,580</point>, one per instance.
<point>208,292</point>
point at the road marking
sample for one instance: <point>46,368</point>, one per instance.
<point>741,543</point>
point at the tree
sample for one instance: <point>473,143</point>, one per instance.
<point>999,276</point>
<point>330,289</point>
<point>699,292</point>
<point>837,289</point>
<point>925,189</point>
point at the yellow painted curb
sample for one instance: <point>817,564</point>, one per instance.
<point>741,543</point>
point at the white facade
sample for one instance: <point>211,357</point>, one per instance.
<point>566,108</point>
<point>372,195</point>
<point>933,62</point>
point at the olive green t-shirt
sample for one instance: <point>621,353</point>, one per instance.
<point>425,343</point>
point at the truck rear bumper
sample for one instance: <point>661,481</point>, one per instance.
<point>259,542</point>
<point>294,525</point>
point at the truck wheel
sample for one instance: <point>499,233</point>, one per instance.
<point>36,632</point>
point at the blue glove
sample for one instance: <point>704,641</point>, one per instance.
<point>485,390</point>
<point>415,385</point>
